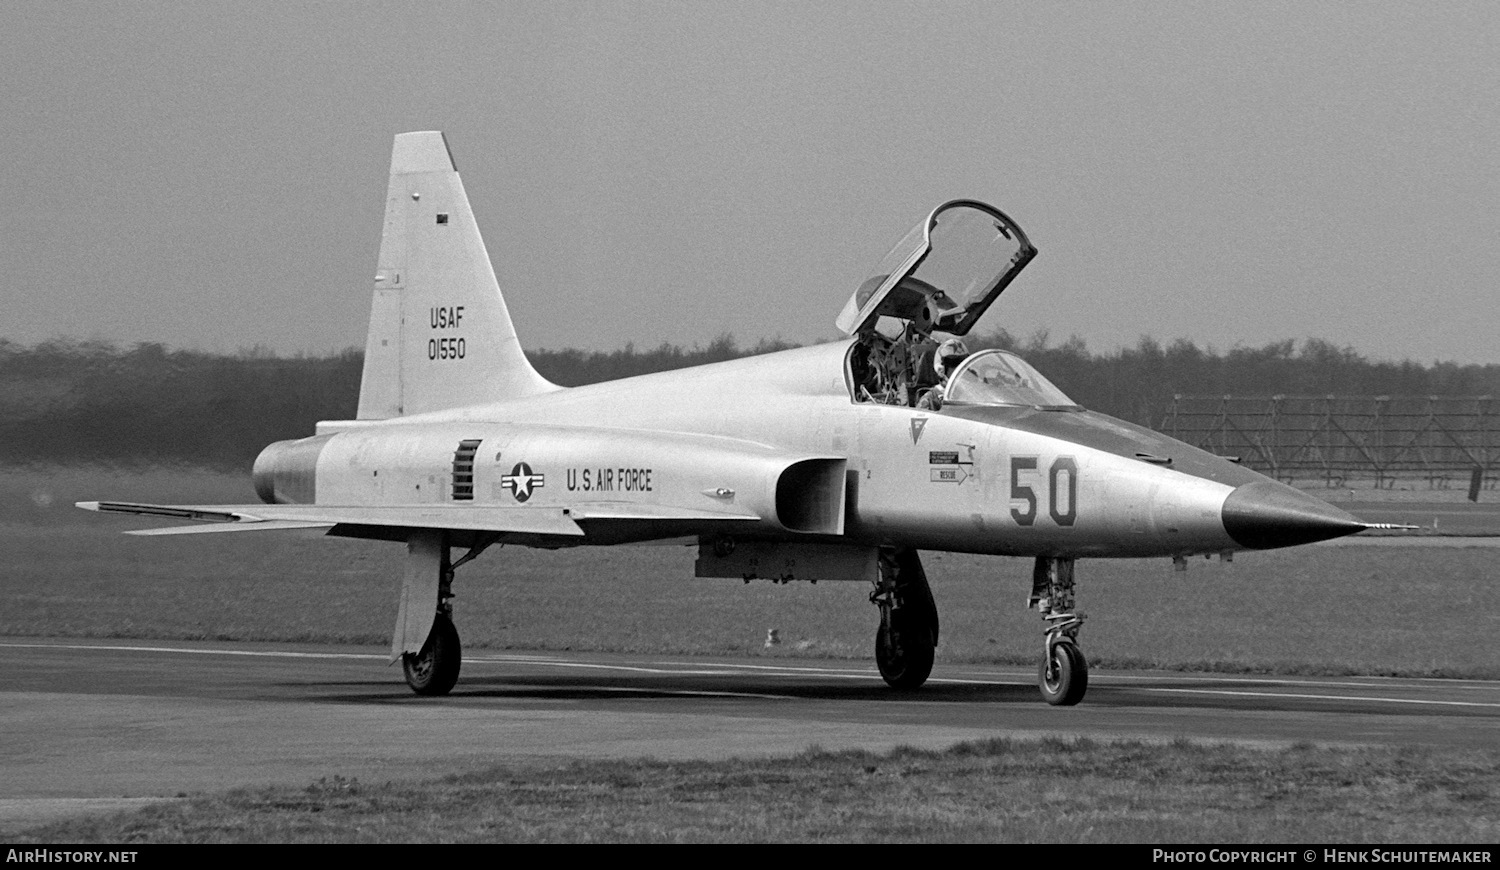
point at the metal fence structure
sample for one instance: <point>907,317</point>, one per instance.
<point>1439,439</point>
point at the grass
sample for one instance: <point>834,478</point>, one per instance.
<point>1412,611</point>
<point>999,790</point>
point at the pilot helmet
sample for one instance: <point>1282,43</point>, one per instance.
<point>949,354</point>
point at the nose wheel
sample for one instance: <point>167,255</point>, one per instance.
<point>1064,674</point>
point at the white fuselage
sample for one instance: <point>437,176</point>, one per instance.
<point>930,480</point>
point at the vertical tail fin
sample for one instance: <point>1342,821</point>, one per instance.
<point>440,334</point>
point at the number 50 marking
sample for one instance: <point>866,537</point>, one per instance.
<point>1064,511</point>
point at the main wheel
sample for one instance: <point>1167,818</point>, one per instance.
<point>903,655</point>
<point>434,670</point>
<point>1064,675</point>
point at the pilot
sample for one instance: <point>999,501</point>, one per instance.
<point>947,358</point>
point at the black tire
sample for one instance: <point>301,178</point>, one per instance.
<point>1064,675</point>
<point>434,670</point>
<point>903,655</point>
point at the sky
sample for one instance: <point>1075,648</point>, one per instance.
<point>212,175</point>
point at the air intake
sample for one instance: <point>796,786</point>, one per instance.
<point>810,496</point>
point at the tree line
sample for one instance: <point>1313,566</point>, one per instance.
<point>1138,383</point>
<point>90,401</point>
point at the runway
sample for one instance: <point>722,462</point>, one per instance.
<point>96,725</point>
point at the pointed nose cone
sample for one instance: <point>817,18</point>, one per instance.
<point>1267,514</point>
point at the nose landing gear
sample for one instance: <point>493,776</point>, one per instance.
<point>1064,673</point>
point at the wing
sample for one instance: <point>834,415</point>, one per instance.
<point>608,518</point>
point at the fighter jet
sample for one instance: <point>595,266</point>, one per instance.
<point>836,462</point>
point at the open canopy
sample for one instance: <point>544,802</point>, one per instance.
<point>944,273</point>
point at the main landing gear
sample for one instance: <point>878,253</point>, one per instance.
<point>908,633</point>
<point>1064,673</point>
<point>434,669</point>
<point>425,640</point>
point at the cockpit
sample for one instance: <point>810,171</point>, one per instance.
<point>937,282</point>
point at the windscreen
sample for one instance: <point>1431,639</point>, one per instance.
<point>997,377</point>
